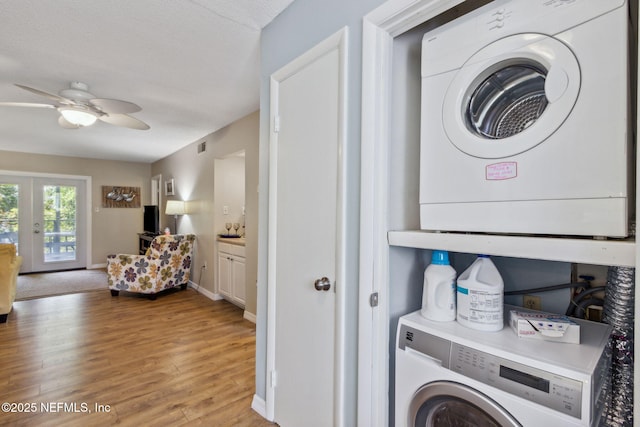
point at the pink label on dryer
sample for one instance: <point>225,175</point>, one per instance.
<point>500,171</point>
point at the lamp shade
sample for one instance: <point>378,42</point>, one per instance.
<point>175,207</point>
<point>78,117</point>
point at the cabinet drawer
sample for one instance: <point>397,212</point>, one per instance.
<point>231,249</point>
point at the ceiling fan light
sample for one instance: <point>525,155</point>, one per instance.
<point>78,117</point>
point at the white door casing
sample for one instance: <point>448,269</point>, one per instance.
<point>305,332</point>
<point>379,28</point>
<point>30,208</point>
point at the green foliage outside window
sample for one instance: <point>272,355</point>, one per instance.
<point>59,208</point>
<point>8,208</point>
<point>59,203</point>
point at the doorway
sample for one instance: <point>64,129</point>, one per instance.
<point>229,193</point>
<point>156,195</point>
<point>45,217</point>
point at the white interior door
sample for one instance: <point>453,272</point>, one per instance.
<point>305,356</point>
<point>45,218</point>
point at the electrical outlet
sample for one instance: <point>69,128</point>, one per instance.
<point>532,302</point>
<point>594,313</point>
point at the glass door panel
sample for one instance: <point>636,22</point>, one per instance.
<point>59,223</point>
<point>9,220</point>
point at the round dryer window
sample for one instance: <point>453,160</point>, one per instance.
<point>511,95</point>
<point>447,403</point>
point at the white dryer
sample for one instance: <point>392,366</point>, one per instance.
<point>524,121</point>
<point>447,374</point>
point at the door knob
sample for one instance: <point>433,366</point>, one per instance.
<point>323,284</point>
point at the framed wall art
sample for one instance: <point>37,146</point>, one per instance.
<point>120,197</point>
<point>169,188</point>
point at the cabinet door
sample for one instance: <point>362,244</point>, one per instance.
<point>239,285</point>
<point>224,275</point>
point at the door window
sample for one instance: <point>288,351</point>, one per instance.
<point>510,96</point>
<point>9,196</point>
<point>59,223</point>
<point>508,101</point>
<point>448,403</point>
<point>448,411</point>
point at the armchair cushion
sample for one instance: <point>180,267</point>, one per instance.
<point>166,264</point>
<point>9,268</point>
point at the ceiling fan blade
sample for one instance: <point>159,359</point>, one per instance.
<point>124,120</point>
<point>115,106</point>
<point>51,96</point>
<point>26,104</point>
<point>66,124</point>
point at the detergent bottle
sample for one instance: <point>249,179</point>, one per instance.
<point>439,291</point>
<point>480,296</point>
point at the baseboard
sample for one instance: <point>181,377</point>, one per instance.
<point>207,293</point>
<point>249,316</point>
<point>97,266</point>
<point>216,297</point>
<point>260,406</point>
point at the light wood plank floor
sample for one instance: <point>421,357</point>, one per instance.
<point>91,359</point>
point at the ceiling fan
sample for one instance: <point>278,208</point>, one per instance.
<point>79,108</point>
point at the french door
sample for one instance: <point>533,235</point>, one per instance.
<point>45,218</point>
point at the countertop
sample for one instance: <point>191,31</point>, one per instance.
<point>240,241</point>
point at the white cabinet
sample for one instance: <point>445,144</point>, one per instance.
<point>231,273</point>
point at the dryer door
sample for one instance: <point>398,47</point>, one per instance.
<point>511,96</point>
<point>447,403</point>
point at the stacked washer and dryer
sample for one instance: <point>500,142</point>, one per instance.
<point>525,129</point>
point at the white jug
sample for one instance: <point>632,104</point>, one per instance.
<point>480,296</point>
<point>439,291</point>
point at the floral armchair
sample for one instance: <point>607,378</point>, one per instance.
<point>166,264</point>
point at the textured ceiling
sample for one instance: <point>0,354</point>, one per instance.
<point>192,65</point>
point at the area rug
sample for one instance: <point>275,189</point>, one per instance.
<point>64,282</point>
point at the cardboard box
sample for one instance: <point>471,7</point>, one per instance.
<point>545,326</point>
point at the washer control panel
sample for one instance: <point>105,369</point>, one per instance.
<point>551,390</point>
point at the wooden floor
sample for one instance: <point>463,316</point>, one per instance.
<point>92,359</point>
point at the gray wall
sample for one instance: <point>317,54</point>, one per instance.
<point>300,27</point>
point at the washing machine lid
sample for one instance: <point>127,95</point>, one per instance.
<point>511,95</point>
<point>441,403</point>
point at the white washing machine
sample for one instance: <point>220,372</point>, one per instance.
<point>524,120</point>
<point>450,375</point>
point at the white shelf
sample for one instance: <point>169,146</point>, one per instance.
<point>585,251</point>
